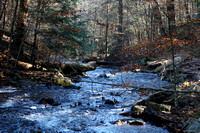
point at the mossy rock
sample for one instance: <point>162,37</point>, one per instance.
<point>63,81</point>
<point>138,109</point>
<point>136,122</point>
<point>158,107</point>
<point>132,122</point>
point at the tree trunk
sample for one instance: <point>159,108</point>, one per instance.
<point>106,35</point>
<point>158,18</point>
<point>198,9</point>
<point>120,28</point>
<point>11,32</point>
<point>186,10</point>
<point>35,48</point>
<point>171,16</point>
<point>3,14</point>
<point>20,27</point>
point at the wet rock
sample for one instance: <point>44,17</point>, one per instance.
<point>158,107</point>
<point>103,98</point>
<point>109,102</point>
<point>125,114</point>
<point>103,76</point>
<point>160,97</point>
<point>48,101</point>
<point>131,122</point>
<point>115,94</point>
<point>137,109</point>
<point>63,81</point>
<point>115,101</point>
<point>101,121</point>
<point>136,122</point>
<point>79,103</point>
<point>150,115</point>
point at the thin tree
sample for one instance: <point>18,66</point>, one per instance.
<point>12,32</point>
<point>21,26</point>
<point>106,35</point>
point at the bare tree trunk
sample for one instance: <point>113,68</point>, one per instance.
<point>35,48</point>
<point>172,31</point>
<point>158,18</point>
<point>3,14</point>
<point>12,32</point>
<point>21,26</point>
<point>198,8</point>
<point>106,35</point>
<point>120,28</point>
<point>186,10</point>
<point>171,16</point>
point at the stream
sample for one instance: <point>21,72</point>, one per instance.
<point>80,110</point>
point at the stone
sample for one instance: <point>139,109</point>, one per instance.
<point>103,76</point>
<point>109,102</point>
<point>131,122</point>
<point>63,81</point>
<point>136,122</point>
<point>158,107</point>
<point>48,101</point>
<point>137,109</point>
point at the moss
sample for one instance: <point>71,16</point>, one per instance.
<point>158,107</point>
<point>63,81</point>
<point>137,109</point>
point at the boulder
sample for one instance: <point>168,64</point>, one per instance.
<point>130,122</point>
<point>103,76</point>
<point>109,102</point>
<point>137,109</point>
<point>158,107</point>
<point>136,122</point>
<point>64,81</point>
<point>48,101</point>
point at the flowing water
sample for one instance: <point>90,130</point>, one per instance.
<point>81,110</point>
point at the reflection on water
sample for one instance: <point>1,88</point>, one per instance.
<point>20,111</point>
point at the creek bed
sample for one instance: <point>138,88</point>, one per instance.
<point>81,110</point>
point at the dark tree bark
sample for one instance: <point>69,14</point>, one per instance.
<point>198,8</point>
<point>3,14</point>
<point>35,48</point>
<point>106,35</point>
<point>12,31</point>
<point>20,27</point>
<point>158,18</point>
<point>171,16</point>
<point>186,10</point>
<point>120,28</point>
